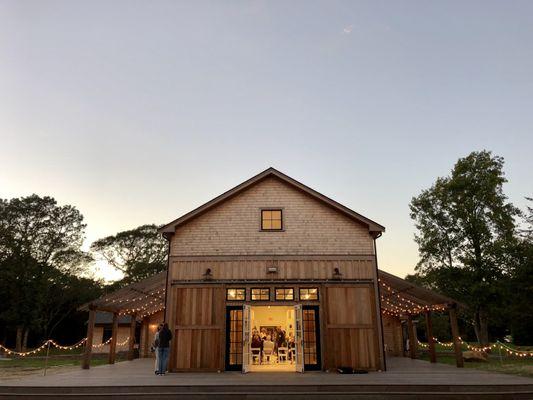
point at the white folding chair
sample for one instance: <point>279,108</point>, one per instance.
<point>268,350</point>
<point>256,354</point>
<point>283,354</point>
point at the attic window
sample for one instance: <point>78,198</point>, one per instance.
<point>271,220</point>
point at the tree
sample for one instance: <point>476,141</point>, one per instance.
<point>137,253</point>
<point>521,284</point>
<point>39,241</point>
<point>466,230</point>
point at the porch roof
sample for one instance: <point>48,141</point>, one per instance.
<point>147,297</point>
<point>399,297</point>
<point>141,298</point>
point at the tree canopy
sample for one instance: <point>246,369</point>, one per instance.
<point>40,260</point>
<point>138,253</point>
<point>466,234</point>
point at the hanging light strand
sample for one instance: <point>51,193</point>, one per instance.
<point>497,344</point>
<point>59,346</point>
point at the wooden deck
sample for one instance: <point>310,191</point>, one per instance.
<point>406,379</point>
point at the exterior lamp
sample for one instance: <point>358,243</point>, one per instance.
<point>208,274</point>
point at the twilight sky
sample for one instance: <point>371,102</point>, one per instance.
<point>136,112</point>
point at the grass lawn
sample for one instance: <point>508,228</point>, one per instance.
<point>508,365</point>
<point>27,366</point>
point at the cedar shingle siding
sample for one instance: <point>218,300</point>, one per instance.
<point>310,227</point>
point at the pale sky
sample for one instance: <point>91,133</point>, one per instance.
<point>139,111</point>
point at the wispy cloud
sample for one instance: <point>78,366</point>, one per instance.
<point>347,29</point>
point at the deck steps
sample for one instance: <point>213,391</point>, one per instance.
<point>260,392</point>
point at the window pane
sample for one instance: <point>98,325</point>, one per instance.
<point>285,294</point>
<point>309,294</point>
<point>276,224</point>
<point>261,294</point>
<point>271,219</point>
<point>235,294</point>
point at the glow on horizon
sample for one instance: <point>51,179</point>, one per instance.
<point>138,114</point>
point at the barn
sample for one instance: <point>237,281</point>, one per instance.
<point>274,261</point>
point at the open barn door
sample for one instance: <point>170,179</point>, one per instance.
<point>246,316</point>
<point>298,338</point>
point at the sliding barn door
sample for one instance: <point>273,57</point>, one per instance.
<point>351,328</point>
<point>199,325</point>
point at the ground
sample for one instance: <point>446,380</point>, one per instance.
<point>21,367</point>
<point>513,366</point>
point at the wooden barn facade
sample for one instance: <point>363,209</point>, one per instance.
<point>272,255</point>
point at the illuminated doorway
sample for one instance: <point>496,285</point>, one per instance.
<point>273,339</point>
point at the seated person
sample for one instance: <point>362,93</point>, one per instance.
<point>256,341</point>
<point>291,345</point>
<point>268,348</point>
<point>257,346</point>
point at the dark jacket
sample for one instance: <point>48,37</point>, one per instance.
<point>165,336</point>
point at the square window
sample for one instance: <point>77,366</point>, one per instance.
<point>259,294</point>
<point>285,294</point>
<point>271,220</point>
<point>235,294</point>
<point>308,293</point>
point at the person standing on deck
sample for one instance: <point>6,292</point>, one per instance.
<point>165,336</point>
<point>155,346</point>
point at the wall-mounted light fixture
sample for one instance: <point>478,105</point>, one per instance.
<point>272,270</point>
<point>337,273</point>
<point>208,275</point>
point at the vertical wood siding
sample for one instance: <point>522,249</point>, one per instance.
<point>392,334</point>
<point>198,328</point>
<point>351,334</point>
<point>287,269</point>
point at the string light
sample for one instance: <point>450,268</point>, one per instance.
<point>129,300</point>
<point>403,305</point>
<point>509,350</point>
<point>61,347</point>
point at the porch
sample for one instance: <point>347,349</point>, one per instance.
<point>405,378</point>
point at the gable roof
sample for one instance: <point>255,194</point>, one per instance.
<point>373,227</point>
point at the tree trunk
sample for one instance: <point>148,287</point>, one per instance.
<point>18,343</point>
<point>483,328</point>
<point>476,328</point>
<point>25,339</point>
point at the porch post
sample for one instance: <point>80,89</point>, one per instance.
<point>86,361</point>
<point>412,338</point>
<point>455,333</point>
<point>113,344</point>
<point>431,341</point>
<point>131,339</point>
<point>145,336</point>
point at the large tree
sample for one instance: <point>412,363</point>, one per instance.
<point>39,243</point>
<point>137,253</point>
<point>520,310</point>
<point>466,230</point>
